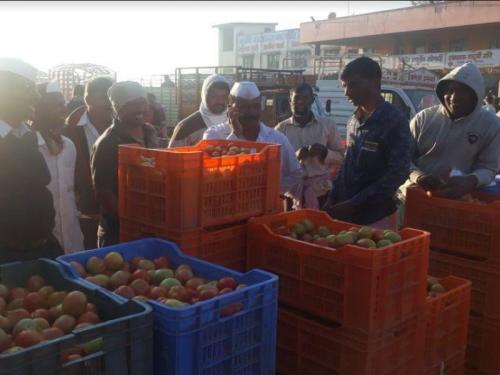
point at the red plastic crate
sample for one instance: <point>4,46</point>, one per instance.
<point>462,228</point>
<point>485,280</point>
<point>183,188</point>
<point>225,246</point>
<point>483,346</point>
<point>313,347</point>
<point>453,366</point>
<point>367,289</point>
<point>446,321</point>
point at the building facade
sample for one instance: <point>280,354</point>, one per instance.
<point>269,49</point>
<point>438,36</point>
<point>229,34</point>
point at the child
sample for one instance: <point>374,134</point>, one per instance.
<point>317,175</point>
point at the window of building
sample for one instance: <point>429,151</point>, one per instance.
<point>273,61</point>
<point>369,51</point>
<point>331,52</point>
<point>227,39</point>
<point>434,46</point>
<point>457,45</point>
<point>247,61</point>
<point>299,59</point>
<point>419,48</point>
<point>495,43</point>
<point>399,50</point>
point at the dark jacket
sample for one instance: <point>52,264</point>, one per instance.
<point>74,104</point>
<point>377,162</point>
<point>104,166</point>
<point>27,212</point>
<point>189,131</point>
<point>86,201</point>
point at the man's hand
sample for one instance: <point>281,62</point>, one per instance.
<point>233,115</point>
<point>302,153</point>
<point>458,186</point>
<point>342,211</point>
<point>428,182</point>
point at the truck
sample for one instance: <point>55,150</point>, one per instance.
<point>411,90</point>
<point>274,85</point>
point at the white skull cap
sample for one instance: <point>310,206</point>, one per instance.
<point>245,90</point>
<point>18,67</point>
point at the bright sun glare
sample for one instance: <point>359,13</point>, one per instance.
<point>140,38</point>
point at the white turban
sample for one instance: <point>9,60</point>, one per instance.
<point>121,93</point>
<point>19,68</point>
<point>245,90</point>
<point>209,117</point>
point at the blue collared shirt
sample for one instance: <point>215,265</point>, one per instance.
<point>377,162</point>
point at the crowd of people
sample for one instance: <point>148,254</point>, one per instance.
<point>59,161</point>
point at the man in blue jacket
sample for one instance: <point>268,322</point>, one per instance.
<point>377,159</point>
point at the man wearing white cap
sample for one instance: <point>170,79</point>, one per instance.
<point>130,105</point>
<point>59,153</point>
<point>26,205</point>
<point>244,123</point>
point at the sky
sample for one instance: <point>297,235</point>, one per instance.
<point>137,39</point>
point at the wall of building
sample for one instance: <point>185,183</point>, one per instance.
<point>283,48</point>
<point>229,58</point>
<point>473,38</point>
<point>273,50</point>
<point>430,17</point>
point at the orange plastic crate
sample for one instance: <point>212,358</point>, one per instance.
<point>367,289</point>
<point>483,346</point>
<point>446,321</point>
<point>309,346</point>
<point>463,228</point>
<point>183,188</point>
<point>226,246</point>
<point>485,280</point>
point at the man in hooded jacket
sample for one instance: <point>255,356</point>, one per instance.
<point>455,145</point>
<point>213,109</point>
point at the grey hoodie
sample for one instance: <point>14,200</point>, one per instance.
<point>470,144</point>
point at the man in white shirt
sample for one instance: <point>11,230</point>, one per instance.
<point>83,126</point>
<point>304,128</point>
<point>59,153</point>
<point>244,123</point>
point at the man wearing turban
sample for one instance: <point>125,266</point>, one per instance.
<point>130,105</point>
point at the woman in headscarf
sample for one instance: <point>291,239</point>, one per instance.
<point>59,153</point>
<point>212,111</point>
<point>129,106</point>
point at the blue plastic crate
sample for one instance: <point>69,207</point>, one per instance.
<point>126,330</point>
<point>197,340</point>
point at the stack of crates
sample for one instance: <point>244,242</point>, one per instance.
<point>123,339</point>
<point>205,337</point>
<point>446,319</point>
<point>350,310</point>
<point>200,202</point>
<point>465,242</point>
